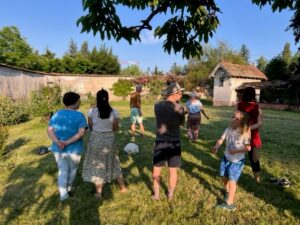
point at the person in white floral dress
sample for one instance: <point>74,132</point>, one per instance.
<point>101,163</point>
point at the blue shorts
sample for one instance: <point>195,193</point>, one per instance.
<point>232,170</point>
<point>135,115</point>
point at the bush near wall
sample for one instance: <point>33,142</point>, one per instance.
<point>12,112</point>
<point>3,137</point>
<point>45,100</point>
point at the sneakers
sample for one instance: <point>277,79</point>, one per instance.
<point>64,197</point>
<point>283,182</point>
<point>227,207</point>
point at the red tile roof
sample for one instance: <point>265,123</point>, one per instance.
<point>245,71</point>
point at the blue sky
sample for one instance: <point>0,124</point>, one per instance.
<point>52,24</point>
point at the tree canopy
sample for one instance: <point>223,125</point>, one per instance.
<point>15,51</point>
<point>188,23</point>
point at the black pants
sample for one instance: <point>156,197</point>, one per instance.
<point>254,165</point>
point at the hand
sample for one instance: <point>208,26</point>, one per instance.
<point>214,149</point>
<point>207,117</point>
<point>248,148</point>
<point>232,152</point>
<point>65,143</point>
<point>61,145</point>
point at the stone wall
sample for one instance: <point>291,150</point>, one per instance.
<point>18,83</point>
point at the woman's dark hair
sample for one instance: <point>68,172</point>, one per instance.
<point>70,98</point>
<point>103,105</point>
<point>249,94</point>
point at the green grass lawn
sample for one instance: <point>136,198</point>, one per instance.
<point>29,195</point>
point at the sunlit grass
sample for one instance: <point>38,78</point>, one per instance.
<point>29,193</point>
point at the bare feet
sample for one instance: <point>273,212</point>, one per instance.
<point>98,195</point>
<point>155,197</point>
<point>124,190</point>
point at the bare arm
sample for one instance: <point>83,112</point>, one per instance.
<point>90,122</point>
<point>203,112</point>
<point>76,137</point>
<point>259,122</point>
<point>53,137</point>
<point>116,124</point>
<point>217,145</point>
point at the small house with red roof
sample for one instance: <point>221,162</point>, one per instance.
<point>228,77</point>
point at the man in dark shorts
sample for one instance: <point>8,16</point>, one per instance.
<point>169,117</point>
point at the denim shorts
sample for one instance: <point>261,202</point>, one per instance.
<point>135,116</point>
<point>232,170</point>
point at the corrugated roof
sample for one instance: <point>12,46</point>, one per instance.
<point>243,71</point>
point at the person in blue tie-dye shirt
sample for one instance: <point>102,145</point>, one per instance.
<point>66,129</point>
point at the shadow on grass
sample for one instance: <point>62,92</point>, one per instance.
<point>26,189</point>
<point>15,145</point>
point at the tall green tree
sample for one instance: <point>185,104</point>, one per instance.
<point>84,50</point>
<point>176,69</point>
<point>132,70</point>
<point>157,72</point>
<point>261,63</point>
<point>13,47</point>
<point>104,61</point>
<point>49,54</point>
<point>245,52</point>
<point>72,48</point>
<point>198,69</point>
<point>286,53</point>
<point>188,24</point>
<point>277,69</point>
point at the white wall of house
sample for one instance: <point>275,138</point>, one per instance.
<point>226,95</point>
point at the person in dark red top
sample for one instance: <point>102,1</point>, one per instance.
<point>250,106</point>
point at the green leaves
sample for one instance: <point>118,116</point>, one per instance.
<point>122,88</point>
<point>190,22</point>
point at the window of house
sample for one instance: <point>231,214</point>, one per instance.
<point>222,78</point>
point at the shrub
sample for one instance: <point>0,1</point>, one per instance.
<point>122,88</point>
<point>91,99</point>
<point>46,100</point>
<point>12,112</point>
<point>155,88</point>
<point>3,137</point>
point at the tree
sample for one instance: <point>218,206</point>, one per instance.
<point>84,50</point>
<point>122,88</point>
<point>104,62</point>
<point>198,69</point>
<point>132,70</point>
<point>155,87</point>
<point>13,47</point>
<point>72,48</point>
<point>245,53</point>
<point>286,53</point>
<point>175,69</point>
<point>48,54</point>
<point>188,23</point>
<point>157,71</point>
<point>261,63</point>
<point>277,69</point>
